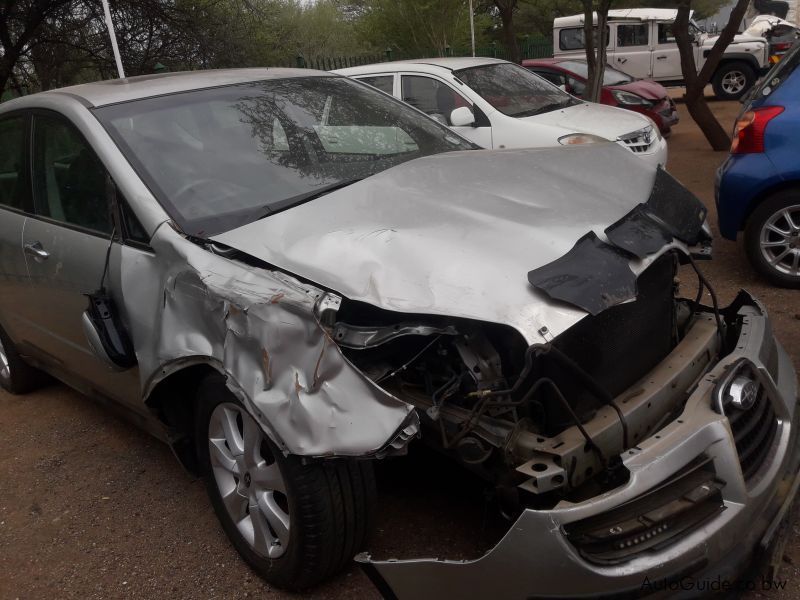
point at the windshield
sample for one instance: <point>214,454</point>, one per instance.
<point>610,76</point>
<point>222,157</point>
<point>513,90</point>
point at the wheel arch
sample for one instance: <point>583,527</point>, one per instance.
<point>780,186</point>
<point>737,57</point>
<point>171,396</point>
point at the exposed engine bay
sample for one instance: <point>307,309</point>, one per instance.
<point>549,421</point>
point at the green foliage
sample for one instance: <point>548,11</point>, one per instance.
<point>418,27</point>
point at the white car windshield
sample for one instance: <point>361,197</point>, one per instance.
<point>222,157</point>
<point>513,90</point>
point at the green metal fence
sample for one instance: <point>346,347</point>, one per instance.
<point>530,47</point>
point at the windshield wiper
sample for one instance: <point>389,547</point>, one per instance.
<point>306,197</point>
<point>546,108</point>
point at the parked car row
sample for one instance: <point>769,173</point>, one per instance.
<point>641,43</point>
<point>497,104</point>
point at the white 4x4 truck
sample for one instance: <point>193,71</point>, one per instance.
<point>641,43</point>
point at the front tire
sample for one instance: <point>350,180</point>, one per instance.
<point>772,239</point>
<point>295,524</point>
<point>732,80</point>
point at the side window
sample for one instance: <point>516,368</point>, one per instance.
<point>432,97</point>
<point>14,188</point>
<point>553,77</point>
<point>69,179</point>
<point>134,231</point>
<point>573,39</point>
<point>384,83</point>
<point>632,34</point>
<point>576,87</point>
<point>665,35</point>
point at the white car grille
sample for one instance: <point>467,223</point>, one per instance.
<point>639,141</point>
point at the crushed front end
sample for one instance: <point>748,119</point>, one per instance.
<point>652,441</point>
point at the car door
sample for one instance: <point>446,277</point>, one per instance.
<point>666,57</point>
<point>66,242</point>
<point>15,201</point>
<point>437,99</point>
<point>632,53</point>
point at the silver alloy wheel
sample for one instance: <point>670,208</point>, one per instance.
<point>5,367</point>
<point>249,479</point>
<point>780,241</point>
<point>733,82</point>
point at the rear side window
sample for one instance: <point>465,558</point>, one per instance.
<point>573,39</point>
<point>14,188</point>
<point>69,179</point>
<point>384,83</point>
<point>633,34</point>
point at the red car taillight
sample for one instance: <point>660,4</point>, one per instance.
<point>748,134</point>
<point>779,46</point>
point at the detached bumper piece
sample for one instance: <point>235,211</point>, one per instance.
<point>652,521</point>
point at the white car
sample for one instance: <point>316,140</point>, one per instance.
<point>498,104</point>
<point>641,43</point>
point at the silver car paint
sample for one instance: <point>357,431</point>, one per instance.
<point>417,237</point>
<point>258,328</point>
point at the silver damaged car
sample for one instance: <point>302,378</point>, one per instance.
<point>289,275</point>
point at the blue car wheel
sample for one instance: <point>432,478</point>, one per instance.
<point>772,238</point>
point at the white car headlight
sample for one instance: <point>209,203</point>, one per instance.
<point>581,138</point>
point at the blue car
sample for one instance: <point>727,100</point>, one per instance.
<point>758,186</point>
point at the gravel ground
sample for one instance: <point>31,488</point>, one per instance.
<point>90,507</point>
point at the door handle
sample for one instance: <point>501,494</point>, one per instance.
<point>622,60</point>
<point>37,251</point>
<point>660,57</point>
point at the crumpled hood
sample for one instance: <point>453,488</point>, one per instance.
<point>606,121</point>
<point>456,234</point>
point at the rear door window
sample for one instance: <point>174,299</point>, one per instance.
<point>632,34</point>
<point>14,187</point>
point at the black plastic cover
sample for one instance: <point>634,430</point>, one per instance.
<point>593,275</point>
<point>670,212</point>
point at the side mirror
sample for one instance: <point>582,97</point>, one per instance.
<point>462,117</point>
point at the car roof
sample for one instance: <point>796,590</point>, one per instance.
<point>450,63</point>
<point>112,91</point>
<point>633,14</point>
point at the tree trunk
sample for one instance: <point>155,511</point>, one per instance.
<point>588,42</point>
<point>697,82</point>
<point>506,9</point>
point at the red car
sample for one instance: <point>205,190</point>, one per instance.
<point>619,89</point>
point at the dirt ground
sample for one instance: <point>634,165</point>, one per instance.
<point>91,507</point>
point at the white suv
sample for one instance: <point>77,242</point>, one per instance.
<point>498,104</point>
<point>641,43</point>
